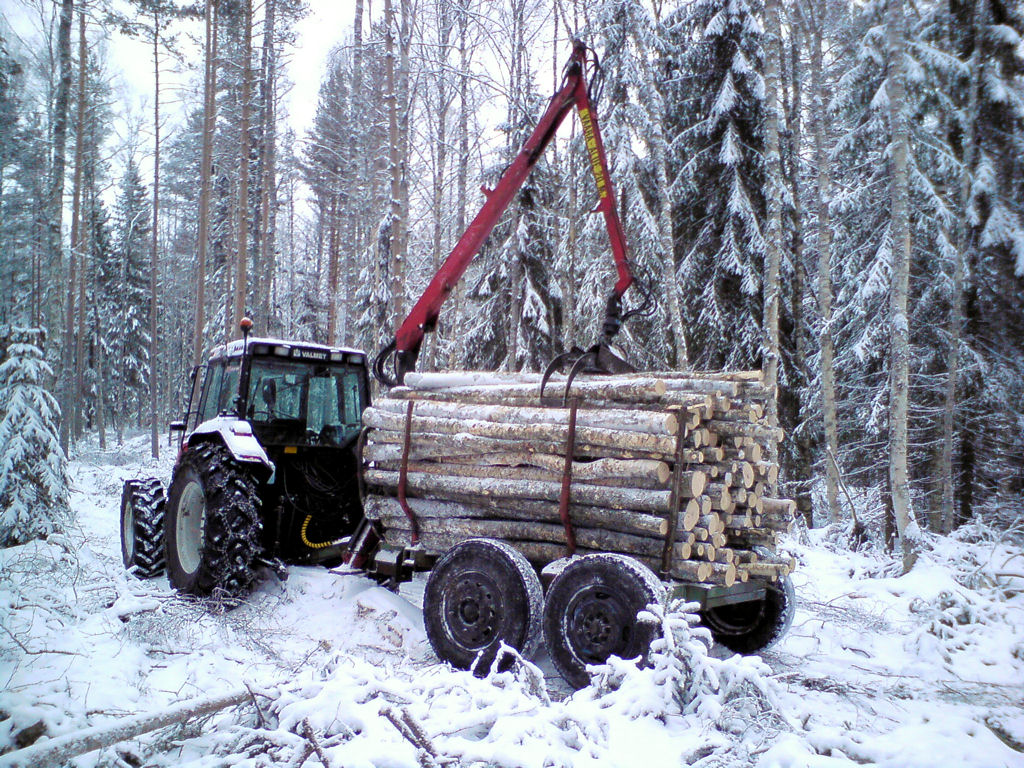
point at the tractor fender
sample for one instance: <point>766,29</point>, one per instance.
<point>237,436</point>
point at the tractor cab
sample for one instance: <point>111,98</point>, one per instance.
<point>294,395</point>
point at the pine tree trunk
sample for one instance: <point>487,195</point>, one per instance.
<point>268,182</point>
<point>823,195</point>
<point>55,198</point>
<point>462,170</point>
<point>405,104</point>
<point>154,441</point>
<point>332,270</point>
<point>241,280</point>
<point>906,527</point>
<point>205,171</point>
<point>101,392</point>
<point>773,234</point>
<point>394,166</point>
<point>802,474</point>
<point>947,511</point>
<point>440,166</point>
<point>78,235</point>
<point>70,378</point>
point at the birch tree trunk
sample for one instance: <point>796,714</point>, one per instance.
<point>241,280</point>
<point>949,409</point>
<point>773,235</point>
<point>205,171</point>
<point>906,527</point>
<point>823,195</point>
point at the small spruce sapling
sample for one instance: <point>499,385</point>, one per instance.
<point>33,468</point>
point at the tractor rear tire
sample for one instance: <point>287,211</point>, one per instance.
<point>142,527</point>
<point>590,613</point>
<point>482,593</point>
<point>212,524</point>
<point>753,626</point>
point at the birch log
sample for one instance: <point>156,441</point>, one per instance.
<point>629,420</point>
<point>59,750</point>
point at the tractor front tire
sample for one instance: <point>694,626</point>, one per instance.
<point>212,524</point>
<point>142,527</point>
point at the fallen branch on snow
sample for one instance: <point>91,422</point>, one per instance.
<point>61,749</point>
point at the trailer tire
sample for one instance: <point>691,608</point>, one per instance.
<point>480,594</point>
<point>212,524</point>
<point>590,613</point>
<point>142,527</point>
<point>754,626</point>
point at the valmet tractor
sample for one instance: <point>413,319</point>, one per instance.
<point>266,473</point>
<point>268,470</point>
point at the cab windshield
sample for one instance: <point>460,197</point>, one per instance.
<point>303,402</point>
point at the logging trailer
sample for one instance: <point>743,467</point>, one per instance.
<point>535,513</point>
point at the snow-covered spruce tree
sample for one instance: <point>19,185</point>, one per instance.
<point>33,477</point>
<point>863,243</point>
<point>518,323</point>
<point>715,114</point>
<point>128,294</point>
<point>632,122</point>
<point>987,35</point>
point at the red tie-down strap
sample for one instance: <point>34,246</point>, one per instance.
<point>563,499</point>
<point>403,475</point>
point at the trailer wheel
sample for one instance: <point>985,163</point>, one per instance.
<point>756,625</point>
<point>590,613</point>
<point>212,524</point>
<point>480,594</point>
<point>142,527</point>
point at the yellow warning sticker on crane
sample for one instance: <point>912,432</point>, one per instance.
<point>595,155</point>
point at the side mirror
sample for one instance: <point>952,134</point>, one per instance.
<point>177,426</point>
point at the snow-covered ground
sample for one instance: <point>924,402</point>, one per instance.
<point>920,670</point>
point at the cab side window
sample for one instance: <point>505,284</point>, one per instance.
<point>211,392</point>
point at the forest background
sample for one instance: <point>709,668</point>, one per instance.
<point>832,191</point>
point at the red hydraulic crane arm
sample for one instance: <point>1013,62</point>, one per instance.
<point>572,92</point>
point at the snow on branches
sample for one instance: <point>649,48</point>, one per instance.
<point>33,469</point>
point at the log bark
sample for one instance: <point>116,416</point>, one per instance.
<point>644,389</point>
<point>465,445</point>
<point>600,496</point>
<point>609,438</point>
<point>657,472</point>
<point>647,422</point>
<point>623,521</point>
<point>522,530</point>
<point>59,750</point>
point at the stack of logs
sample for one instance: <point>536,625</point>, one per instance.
<point>674,469</point>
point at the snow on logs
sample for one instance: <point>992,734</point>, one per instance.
<point>670,468</point>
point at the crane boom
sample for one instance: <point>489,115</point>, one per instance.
<point>573,91</point>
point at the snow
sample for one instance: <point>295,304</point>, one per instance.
<point>879,668</point>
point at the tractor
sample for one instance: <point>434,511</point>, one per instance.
<point>266,473</point>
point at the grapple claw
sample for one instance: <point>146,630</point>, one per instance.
<point>598,359</point>
<point>557,364</point>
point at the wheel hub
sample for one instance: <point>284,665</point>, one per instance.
<point>473,607</point>
<point>128,530</point>
<point>190,526</point>
<point>598,624</point>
